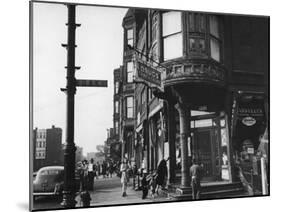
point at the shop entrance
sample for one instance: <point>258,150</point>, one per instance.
<point>204,148</point>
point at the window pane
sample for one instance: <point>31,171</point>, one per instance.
<point>129,66</point>
<point>214,26</point>
<point>130,34</point>
<point>192,44</point>
<point>116,87</point>
<point>116,106</point>
<point>203,123</point>
<point>130,77</point>
<point>191,22</point>
<point>129,101</point>
<point>130,113</point>
<point>130,42</point>
<point>173,46</point>
<point>171,22</point>
<point>202,22</point>
<point>215,49</point>
<point>130,72</point>
<point>202,45</point>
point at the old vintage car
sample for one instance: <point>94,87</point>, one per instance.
<point>48,181</point>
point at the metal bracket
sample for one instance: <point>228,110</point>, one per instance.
<point>66,45</point>
<point>76,67</point>
<point>77,25</point>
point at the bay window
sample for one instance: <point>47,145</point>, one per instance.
<point>172,35</point>
<point>203,29</point>
<point>197,33</point>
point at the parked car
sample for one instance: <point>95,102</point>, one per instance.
<point>48,181</point>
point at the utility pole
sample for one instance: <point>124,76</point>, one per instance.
<point>70,90</point>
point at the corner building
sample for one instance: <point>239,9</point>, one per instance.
<point>215,99</point>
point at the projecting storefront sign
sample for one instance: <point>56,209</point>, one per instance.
<point>148,73</point>
<point>249,121</point>
<point>250,111</point>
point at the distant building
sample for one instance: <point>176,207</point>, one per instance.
<point>47,147</point>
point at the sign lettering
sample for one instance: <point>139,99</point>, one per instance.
<point>148,73</point>
<point>91,83</point>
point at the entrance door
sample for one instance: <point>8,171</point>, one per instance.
<point>204,149</point>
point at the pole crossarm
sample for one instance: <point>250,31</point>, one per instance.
<point>68,45</point>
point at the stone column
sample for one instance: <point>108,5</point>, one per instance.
<point>172,143</point>
<point>184,117</point>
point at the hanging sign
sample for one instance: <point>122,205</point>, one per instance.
<point>249,121</point>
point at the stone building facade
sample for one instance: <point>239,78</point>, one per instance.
<point>214,100</point>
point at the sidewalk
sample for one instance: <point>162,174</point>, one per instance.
<point>112,196</point>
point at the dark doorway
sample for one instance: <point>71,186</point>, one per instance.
<point>204,149</point>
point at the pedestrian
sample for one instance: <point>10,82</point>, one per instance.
<point>135,173</point>
<point>110,169</point>
<point>85,175</point>
<point>104,169</point>
<point>144,184</point>
<point>81,174</point>
<point>161,174</point>
<point>124,176</point>
<point>98,170</point>
<point>196,176</point>
<point>91,175</point>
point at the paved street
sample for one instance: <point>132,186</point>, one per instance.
<point>107,191</point>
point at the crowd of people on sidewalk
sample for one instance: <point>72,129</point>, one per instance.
<point>142,180</point>
<point>157,180</point>
<point>90,170</point>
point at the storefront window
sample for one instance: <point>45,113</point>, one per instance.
<point>172,35</point>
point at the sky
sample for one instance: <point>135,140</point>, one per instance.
<point>99,43</point>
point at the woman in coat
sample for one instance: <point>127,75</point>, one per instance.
<point>162,173</point>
